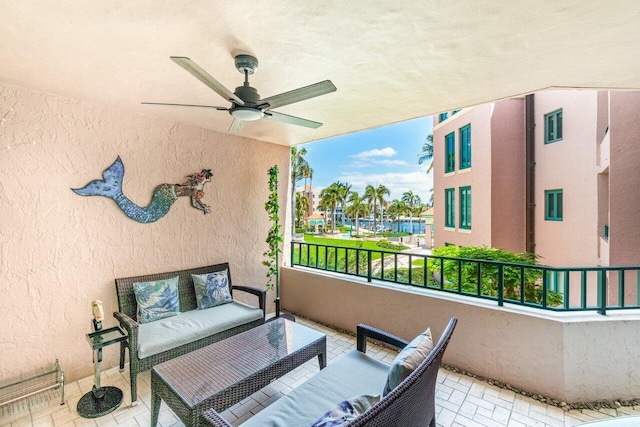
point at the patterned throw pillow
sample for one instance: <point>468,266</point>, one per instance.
<point>408,360</point>
<point>157,300</point>
<point>212,289</point>
<point>347,411</point>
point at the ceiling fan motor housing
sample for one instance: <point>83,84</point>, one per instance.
<point>246,63</point>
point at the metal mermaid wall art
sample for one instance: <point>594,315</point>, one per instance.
<point>163,197</point>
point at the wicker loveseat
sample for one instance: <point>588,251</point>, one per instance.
<point>410,403</point>
<point>164,339</point>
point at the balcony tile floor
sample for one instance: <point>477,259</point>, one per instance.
<point>460,400</point>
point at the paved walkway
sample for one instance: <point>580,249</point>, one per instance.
<point>460,400</point>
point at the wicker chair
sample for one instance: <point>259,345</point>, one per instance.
<point>411,403</point>
<point>128,307</point>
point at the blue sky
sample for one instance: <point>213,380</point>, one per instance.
<point>387,155</point>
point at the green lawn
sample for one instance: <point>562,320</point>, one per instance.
<point>345,243</point>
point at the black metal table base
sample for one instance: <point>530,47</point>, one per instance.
<point>99,402</point>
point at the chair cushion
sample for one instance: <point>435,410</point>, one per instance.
<point>346,411</point>
<point>211,289</point>
<point>353,374</point>
<point>171,332</point>
<point>157,300</point>
<point>408,359</point>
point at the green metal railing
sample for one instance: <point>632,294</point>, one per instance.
<point>550,288</point>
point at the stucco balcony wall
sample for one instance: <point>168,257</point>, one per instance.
<point>570,357</point>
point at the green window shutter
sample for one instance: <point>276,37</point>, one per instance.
<point>465,208</point>
<point>449,153</point>
<point>553,127</point>
<point>465,147</point>
<point>553,209</point>
<point>449,207</point>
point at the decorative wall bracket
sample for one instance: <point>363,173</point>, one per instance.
<point>163,196</point>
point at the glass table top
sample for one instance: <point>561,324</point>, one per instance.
<point>105,337</point>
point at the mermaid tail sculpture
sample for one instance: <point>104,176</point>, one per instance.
<point>163,196</point>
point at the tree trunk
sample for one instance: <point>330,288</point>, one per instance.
<point>293,205</point>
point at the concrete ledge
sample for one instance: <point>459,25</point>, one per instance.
<point>572,357</point>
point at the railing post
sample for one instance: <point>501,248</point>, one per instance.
<point>545,275</point>
<point>479,289</point>
<point>368,265</point>
<point>522,285</point>
<point>602,293</point>
<point>293,252</point>
<point>567,288</point>
<point>583,289</point>
<point>638,287</point>
<point>621,288</point>
<point>500,285</point>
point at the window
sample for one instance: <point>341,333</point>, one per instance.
<point>449,153</point>
<point>553,127</point>
<point>465,147</point>
<point>553,205</point>
<point>449,207</point>
<point>442,117</point>
<point>454,112</point>
<point>465,208</point>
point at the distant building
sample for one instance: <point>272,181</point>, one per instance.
<point>313,198</point>
<point>554,173</point>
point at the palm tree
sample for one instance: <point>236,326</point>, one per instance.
<point>373,196</point>
<point>411,200</point>
<point>331,196</point>
<point>323,206</point>
<point>299,169</point>
<point>396,209</point>
<point>357,207</point>
<point>343,194</point>
<point>427,153</point>
<point>302,207</point>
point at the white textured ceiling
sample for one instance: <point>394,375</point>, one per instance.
<point>390,60</point>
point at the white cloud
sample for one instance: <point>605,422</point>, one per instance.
<point>376,152</point>
<point>397,182</point>
<point>369,163</point>
<point>390,162</point>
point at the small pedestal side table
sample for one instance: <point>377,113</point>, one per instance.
<point>102,400</point>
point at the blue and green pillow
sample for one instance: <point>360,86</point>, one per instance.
<point>157,300</point>
<point>408,360</point>
<point>212,289</point>
<point>346,411</point>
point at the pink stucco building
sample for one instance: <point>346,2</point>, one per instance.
<point>552,173</point>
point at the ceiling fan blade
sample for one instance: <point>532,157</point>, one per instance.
<point>272,115</point>
<point>297,95</point>
<point>236,125</point>
<point>186,105</point>
<point>206,78</point>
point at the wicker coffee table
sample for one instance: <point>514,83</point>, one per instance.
<point>225,372</point>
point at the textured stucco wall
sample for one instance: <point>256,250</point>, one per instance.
<point>573,357</point>
<point>508,176</point>
<point>59,251</point>
<point>624,179</point>
<point>570,165</point>
<point>478,176</point>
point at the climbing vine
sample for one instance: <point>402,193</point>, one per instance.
<point>274,239</point>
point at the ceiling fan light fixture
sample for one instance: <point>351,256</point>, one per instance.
<point>247,114</point>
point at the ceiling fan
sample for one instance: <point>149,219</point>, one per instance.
<point>246,104</point>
